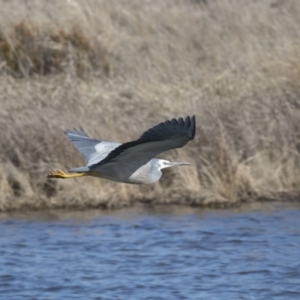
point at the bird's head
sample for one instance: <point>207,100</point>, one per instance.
<point>162,163</point>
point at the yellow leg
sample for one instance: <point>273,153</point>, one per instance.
<point>63,175</point>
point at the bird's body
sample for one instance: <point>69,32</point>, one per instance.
<point>146,174</point>
<point>132,162</point>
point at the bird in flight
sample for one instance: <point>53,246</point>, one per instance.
<point>132,162</point>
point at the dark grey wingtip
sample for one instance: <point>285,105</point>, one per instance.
<point>193,126</point>
<point>189,125</point>
<point>187,122</point>
<point>180,122</point>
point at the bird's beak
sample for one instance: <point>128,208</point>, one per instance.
<point>178,163</point>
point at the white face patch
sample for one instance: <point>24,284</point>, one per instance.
<point>163,163</point>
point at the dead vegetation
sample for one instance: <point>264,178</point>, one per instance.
<point>117,68</point>
<point>27,50</point>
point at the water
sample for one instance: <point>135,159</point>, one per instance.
<point>169,253</point>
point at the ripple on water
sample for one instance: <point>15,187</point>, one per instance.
<point>150,254</point>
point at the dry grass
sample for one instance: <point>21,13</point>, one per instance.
<point>28,49</point>
<point>119,67</point>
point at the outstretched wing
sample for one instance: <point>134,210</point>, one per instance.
<point>165,136</point>
<point>93,150</point>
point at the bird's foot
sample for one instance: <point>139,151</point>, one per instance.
<point>57,174</point>
<point>61,174</point>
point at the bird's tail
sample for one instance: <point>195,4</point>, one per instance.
<point>80,170</point>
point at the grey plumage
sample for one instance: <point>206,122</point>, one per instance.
<point>132,162</point>
<point>93,150</point>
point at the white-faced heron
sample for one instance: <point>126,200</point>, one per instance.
<point>132,162</point>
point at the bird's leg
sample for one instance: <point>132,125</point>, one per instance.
<point>63,175</point>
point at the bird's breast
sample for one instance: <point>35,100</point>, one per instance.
<point>146,174</point>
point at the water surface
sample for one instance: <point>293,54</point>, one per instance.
<point>163,253</point>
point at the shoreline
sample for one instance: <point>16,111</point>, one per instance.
<point>135,211</point>
<point>140,204</point>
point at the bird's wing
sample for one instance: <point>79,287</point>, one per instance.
<point>162,137</point>
<point>93,150</point>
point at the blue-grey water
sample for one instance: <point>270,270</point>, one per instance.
<point>164,253</point>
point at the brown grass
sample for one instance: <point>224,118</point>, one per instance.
<point>28,49</point>
<point>119,67</point>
